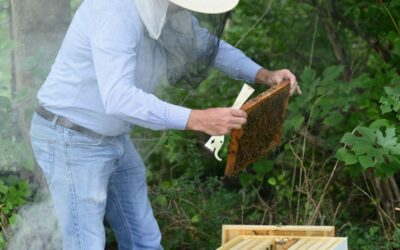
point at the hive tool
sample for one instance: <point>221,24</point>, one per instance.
<point>214,144</point>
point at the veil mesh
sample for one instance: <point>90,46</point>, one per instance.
<point>191,41</point>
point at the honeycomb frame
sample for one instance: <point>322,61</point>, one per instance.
<point>262,132</point>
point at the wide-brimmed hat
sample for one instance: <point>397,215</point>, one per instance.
<point>207,6</point>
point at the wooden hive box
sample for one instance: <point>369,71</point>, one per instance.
<point>252,237</point>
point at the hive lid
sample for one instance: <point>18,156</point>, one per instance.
<point>263,130</point>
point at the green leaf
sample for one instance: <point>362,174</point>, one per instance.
<point>3,188</point>
<point>367,133</point>
<point>387,169</point>
<point>166,184</point>
<point>5,210</point>
<point>332,72</point>
<point>308,76</point>
<point>386,105</point>
<point>162,200</point>
<point>350,139</point>
<point>333,119</point>
<point>388,140</point>
<point>14,219</point>
<point>395,149</point>
<point>344,155</point>
<point>245,179</point>
<point>272,181</point>
<point>366,161</point>
<point>263,167</point>
<point>296,122</point>
<point>379,123</point>
<point>391,102</point>
<point>361,149</point>
<point>195,218</point>
<point>395,92</point>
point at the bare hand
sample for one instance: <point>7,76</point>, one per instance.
<point>216,121</point>
<point>274,77</point>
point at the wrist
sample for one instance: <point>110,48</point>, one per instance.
<point>264,77</point>
<point>194,121</point>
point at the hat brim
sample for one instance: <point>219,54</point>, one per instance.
<point>207,6</point>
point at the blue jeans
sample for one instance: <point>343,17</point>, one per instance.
<point>93,177</point>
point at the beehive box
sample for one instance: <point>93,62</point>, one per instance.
<point>238,237</point>
<point>262,132</point>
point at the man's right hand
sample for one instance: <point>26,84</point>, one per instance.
<point>216,121</point>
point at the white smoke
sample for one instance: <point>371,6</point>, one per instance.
<point>31,34</point>
<point>37,228</point>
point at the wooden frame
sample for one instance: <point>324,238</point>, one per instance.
<point>231,231</point>
<point>253,242</point>
<point>261,133</point>
<point>260,237</point>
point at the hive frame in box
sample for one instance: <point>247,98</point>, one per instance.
<point>252,242</point>
<point>231,231</point>
<point>257,237</point>
<point>261,133</point>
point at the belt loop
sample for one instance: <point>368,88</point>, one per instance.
<point>54,121</point>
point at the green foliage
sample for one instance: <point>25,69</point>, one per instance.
<point>391,102</point>
<point>13,194</point>
<point>376,146</point>
<point>191,212</point>
<point>369,238</point>
<point>396,237</point>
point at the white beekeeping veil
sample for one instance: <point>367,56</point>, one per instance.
<point>189,32</point>
<point>153,14</point>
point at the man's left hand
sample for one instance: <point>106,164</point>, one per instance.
<point>271,78</point>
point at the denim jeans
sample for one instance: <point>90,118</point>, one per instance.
<point>91,178</point>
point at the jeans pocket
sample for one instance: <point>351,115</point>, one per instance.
<point>43,149</point>
<point>74,138</point>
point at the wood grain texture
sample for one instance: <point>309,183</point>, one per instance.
<point>243,242</point>
<point>231,231</point>
<point>262,132</point>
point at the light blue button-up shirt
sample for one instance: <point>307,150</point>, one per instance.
<point>108,67</point>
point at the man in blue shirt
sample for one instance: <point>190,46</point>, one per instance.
<point>101,83</point>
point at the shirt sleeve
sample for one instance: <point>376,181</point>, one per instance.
<point>115,33</point>
<point>235,63</point>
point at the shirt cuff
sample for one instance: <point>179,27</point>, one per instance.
<point>249,71</point>
<point>176,117</point>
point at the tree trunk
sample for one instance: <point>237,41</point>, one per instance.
<point>36,28</point>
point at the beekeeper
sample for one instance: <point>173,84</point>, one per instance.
<point>112,58</point>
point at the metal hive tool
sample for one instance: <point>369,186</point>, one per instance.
<point>263,130</point>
